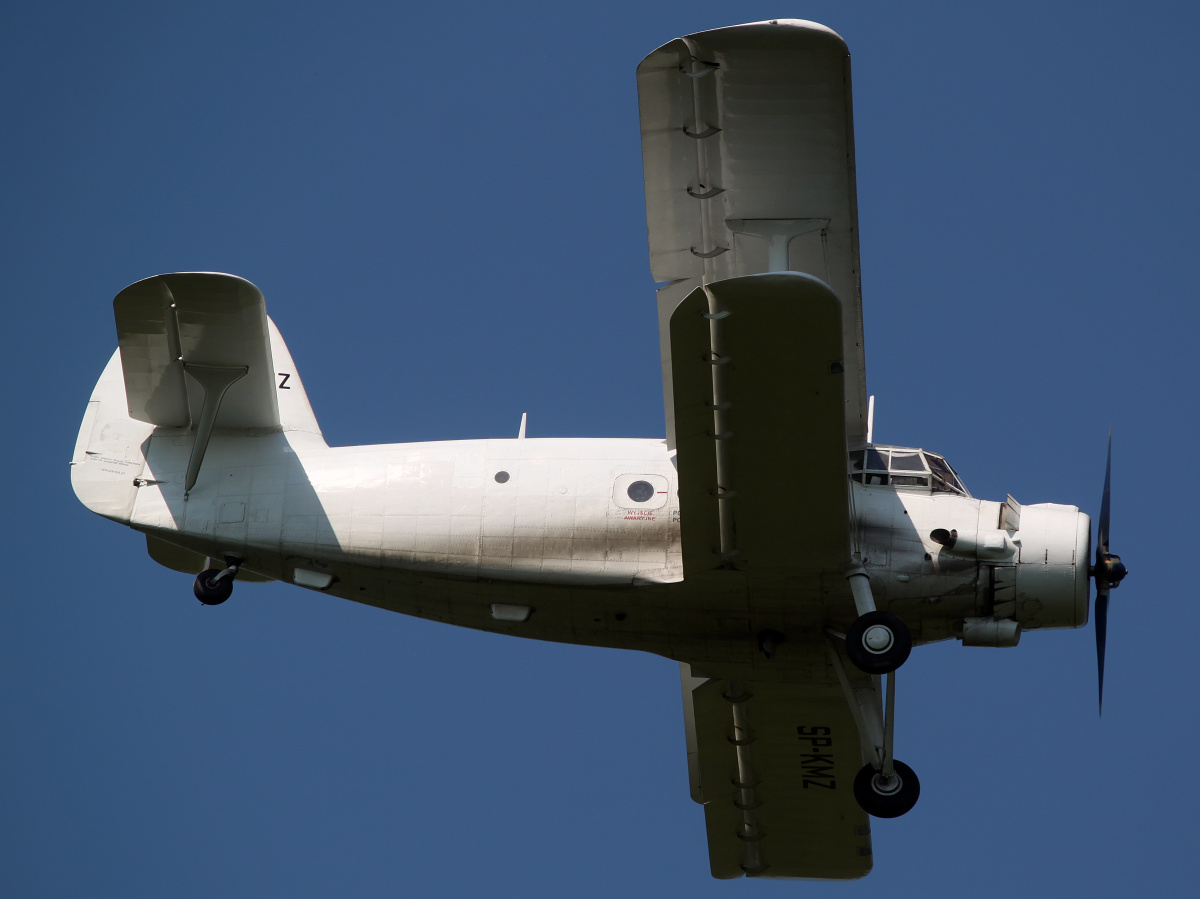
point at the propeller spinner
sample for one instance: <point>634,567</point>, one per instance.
<point>1108,572</point>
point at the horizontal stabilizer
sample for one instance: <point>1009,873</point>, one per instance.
<point>186,336</point>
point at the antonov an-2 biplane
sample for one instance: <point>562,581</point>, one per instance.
<point>768,544</point>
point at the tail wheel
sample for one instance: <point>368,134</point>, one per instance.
<point>210,591</point>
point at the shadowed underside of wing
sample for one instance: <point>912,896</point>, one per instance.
<point>774,766</point>
<point>758,377</point>
<point>748,154</point>
<point>764,497</point>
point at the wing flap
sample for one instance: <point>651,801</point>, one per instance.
<point>207,321</point>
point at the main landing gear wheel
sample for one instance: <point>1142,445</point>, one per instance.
<point>210,591</point>
<point>887,797</point>
<point>878,642</point>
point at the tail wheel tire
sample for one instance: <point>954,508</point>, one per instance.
<point>888,798</point>
<point>878,642</point>
<point>212,592</point>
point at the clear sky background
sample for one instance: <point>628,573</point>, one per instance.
<point>443,206</point>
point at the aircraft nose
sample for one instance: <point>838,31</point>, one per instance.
<point>1052,566</point>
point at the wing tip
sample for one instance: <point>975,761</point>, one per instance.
<point>762,27</point>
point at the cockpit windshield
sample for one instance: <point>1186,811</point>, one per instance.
<point>899,466</point>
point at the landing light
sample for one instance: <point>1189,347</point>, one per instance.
<point>318,580</point>
<point>503,612</point>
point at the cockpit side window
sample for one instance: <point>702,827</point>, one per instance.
<point>884,466</point>
<point>869,466</point>
<point>906,461</point>
<point>902,467</point>
<point>944,478</point>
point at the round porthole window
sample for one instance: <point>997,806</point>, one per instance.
<point>502,477</point>
<point>641,491</point>
<point>644,492</point>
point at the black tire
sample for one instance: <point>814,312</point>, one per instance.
<point>887,800</point>
<point>878,660</point>
<point>210,592</point>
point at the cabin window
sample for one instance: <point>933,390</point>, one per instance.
<point>884,466</point>
<point>904,461</point>
<point>640,491</point>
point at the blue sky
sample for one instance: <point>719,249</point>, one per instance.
<point>444,210</point>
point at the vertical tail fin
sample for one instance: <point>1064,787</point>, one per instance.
<point>198,355</point>
<point>295,412</point>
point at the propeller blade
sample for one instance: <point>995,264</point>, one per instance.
<point>1101,635</point>
<point>1102,532</point>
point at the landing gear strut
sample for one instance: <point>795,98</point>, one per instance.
<point>215,585</point>
<point>884,787</point>
<point>877,642</point>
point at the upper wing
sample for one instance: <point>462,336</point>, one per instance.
<point>748,151</point>
<point>183,336</point>
<point>758,398</point>
<point>774,766</point>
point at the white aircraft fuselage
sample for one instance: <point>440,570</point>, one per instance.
<point>543,537</point>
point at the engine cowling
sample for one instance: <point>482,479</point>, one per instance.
<point>1052,566</point>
